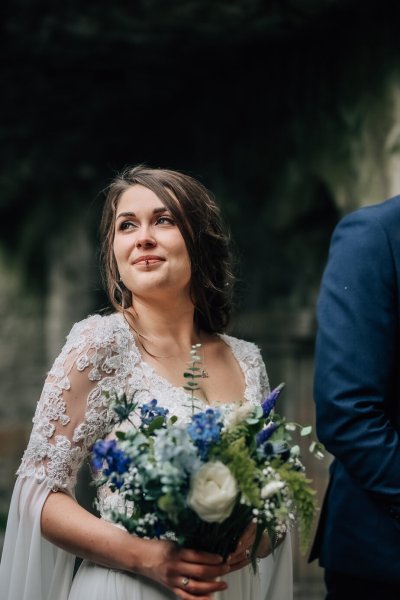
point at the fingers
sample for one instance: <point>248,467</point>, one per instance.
<point>195,556</point>
<point>238,560</point>
<point>246,543</point>
<point>248,536</point>
<point>200,572</point>
<point>195,579</point>
<point>189,574</point>
<point>200,565</point>
<point>241,555</point>
<point>265,547</point>
<point>188,589</point>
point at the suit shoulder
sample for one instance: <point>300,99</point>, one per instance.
<point>382,212</point>
<point>370,227</point>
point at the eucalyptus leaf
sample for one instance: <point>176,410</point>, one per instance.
<point>156,423</point>
<point>252,421</point>
<point>306,430</point>
<point>290,426</point>
<point>258,411</point>
<point>193,387</point>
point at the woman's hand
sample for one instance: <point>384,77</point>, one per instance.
<point>190,574</point>
<point>241,555</point>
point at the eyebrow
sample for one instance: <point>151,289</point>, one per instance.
<point>156,211</point>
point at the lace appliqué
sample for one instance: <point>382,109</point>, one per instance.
<point>101,350</point>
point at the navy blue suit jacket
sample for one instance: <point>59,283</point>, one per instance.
<point>357,395</point>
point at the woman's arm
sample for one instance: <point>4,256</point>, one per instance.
<point>71,527</point>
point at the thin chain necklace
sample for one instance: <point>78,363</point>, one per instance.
<point>140,337</point>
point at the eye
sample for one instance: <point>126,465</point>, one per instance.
<point>125,225</point>
<point>165,220</point>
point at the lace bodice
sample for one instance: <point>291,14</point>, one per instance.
<point>100,355</point>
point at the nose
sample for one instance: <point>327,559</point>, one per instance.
<point>145,241</point>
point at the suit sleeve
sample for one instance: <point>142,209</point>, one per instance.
<point>356,356</point>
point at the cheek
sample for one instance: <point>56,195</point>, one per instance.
<point>188,270</point>
<point>120,259</point>
<point>116,253</point>
<point>120,248</point>
<point>179,249</point>
<point>185,258</point>
<point>189,265</point>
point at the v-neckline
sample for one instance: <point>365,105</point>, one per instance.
<point>148,369</point>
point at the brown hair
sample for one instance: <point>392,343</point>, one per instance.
<point>199,221</point>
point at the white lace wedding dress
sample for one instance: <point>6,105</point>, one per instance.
<point>100,355</point>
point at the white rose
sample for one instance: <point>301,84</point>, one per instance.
<point>271,488</point>
<point>213,492</point>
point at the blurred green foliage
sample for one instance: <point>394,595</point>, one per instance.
<point>245,95</point>
<point>3,521</point>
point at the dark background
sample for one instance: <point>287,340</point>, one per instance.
<point>234,93</point>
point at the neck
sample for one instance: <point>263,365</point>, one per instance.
<point>166,329</point>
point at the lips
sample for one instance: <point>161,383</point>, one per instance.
<point>148,259</point>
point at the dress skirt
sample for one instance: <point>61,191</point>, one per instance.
<point>273,581</point>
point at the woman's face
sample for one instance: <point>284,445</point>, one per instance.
<point>149,249</point>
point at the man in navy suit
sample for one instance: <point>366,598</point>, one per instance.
<point>357,395</point>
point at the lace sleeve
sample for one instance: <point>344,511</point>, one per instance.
<point>73,410</point>
<point>264,380</point>
<point>260,368</point>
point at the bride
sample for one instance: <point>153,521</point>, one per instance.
<point>168,276</point>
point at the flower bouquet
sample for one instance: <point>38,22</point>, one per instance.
<point>200,483</point>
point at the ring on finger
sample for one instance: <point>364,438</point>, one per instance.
<point>185,581</point>
<point>247,553</point>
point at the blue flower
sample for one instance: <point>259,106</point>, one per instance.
<point>150,411</point>
<point>174,448</point>
<point>159,529</point>
<point>266,433</point>
<point>107,453</point>
<point>270,400</point>
<point>205,430</point>
<point>278,449</point>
